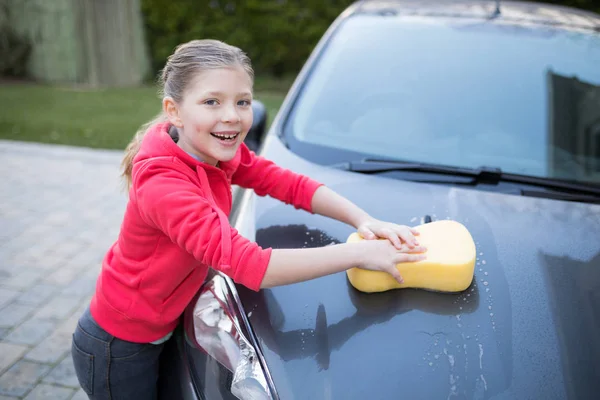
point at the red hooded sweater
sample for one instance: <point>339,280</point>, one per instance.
<point>176,226</point>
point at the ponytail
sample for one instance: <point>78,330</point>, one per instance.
<point>134,147</point>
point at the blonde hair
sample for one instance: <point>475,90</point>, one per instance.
<point>188,60</point>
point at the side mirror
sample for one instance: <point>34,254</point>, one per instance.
<point>257,131</point>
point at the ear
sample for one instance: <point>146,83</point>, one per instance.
<point>172,111</point>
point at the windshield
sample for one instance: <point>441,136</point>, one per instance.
<point>462,93</point>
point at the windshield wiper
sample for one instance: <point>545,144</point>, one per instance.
<point>484,174</point>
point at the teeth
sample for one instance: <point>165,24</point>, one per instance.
<point>225,137</point>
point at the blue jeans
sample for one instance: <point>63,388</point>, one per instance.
<point>111,368</point>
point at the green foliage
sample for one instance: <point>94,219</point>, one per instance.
<point>14,48</point>
<point>278,35</point>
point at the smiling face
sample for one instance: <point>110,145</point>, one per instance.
<point>214,115</point>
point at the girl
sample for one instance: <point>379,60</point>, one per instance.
<point>179,169</point>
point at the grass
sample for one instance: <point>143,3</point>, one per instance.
<point>105,118</point>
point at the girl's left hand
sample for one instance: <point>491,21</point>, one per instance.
<point>397,234</point>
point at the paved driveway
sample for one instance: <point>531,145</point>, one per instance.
<point>60,209</point>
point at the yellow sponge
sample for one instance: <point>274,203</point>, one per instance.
<point>449,265</point>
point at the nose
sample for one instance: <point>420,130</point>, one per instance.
<point>230,115</point>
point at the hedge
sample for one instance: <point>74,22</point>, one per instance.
<point>277,34</point>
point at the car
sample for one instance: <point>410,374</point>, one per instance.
<point>482,112</point>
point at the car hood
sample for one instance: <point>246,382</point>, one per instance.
<point>527,327</point>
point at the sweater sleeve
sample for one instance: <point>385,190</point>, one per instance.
<point>267,178</point>
<point>168,200</point>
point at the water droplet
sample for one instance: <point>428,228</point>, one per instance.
<point>485,273</point>
<point>460,308</point>
<point>491,314</point>
<point>459,325</point>
<point>430,363</point>
<point>485,283</point>
<point>302,333</point>
<point>481,253</point>
<point>489,307</point>
<point>436,356</point>
<point>451,360</point>
<point>487,289</point>
<point>480,269</point>
<point>483,262</point>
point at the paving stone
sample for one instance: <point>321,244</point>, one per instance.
<point>31,332</point>
<point>66,249</point>
<point>52,348</point>
<point>39,230</point>
<point>7,295</point>
<point>9,354</point>
<point>82,286</point>
<point>51,251</point>
<point>46,260</point>
<point>86,257</point>
<point>59,307</point>
<point>45,392</point>
<point>7,270</point>
<point>37,294</point>
<point>79,395</point>
<point>63,276</point>
<point>69,325</point>
<point>14,314</point>
<point>26,278</point>
<point>21,378</point>
<point>63,374</point>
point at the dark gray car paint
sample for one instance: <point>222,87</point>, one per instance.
<point>526,328</point>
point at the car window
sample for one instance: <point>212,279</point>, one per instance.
<point>469,93</point>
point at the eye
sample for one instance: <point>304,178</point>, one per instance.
<point>244,103</point>
<point>211,102</point>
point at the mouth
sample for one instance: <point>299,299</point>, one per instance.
<point>226,136</point>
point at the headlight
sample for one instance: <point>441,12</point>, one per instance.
<point>217,329</point>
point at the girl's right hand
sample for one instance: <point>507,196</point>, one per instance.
<point>382,255</point>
